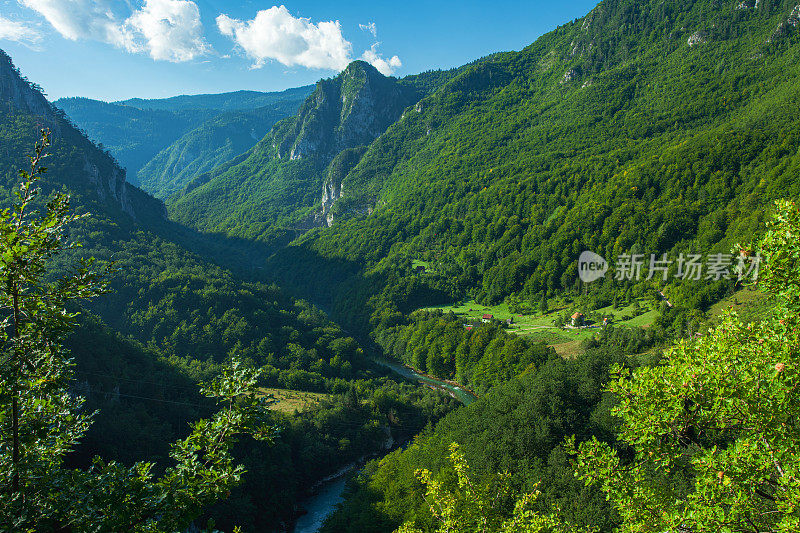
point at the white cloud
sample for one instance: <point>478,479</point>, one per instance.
<point>275,34</point>
<point>166,29</point>
<point>384,66</point>
<point>83,19</point>
<point>371,27</point>
<point>171,29</point>
<point>18,32</point>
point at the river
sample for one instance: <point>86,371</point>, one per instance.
<point>460,394</point>
<point>323,502</point>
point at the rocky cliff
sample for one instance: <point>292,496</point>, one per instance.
<point>349,110</point>
<point>18,93</point>
<point>83,164</point>
<point>292,178</point>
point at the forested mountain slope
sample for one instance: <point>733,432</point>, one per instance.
<point>132,135</point>
<point>273,189</point>
<point>519,428</point>
<point>90,173</point>
<point>201,149</point>
<point>645,126</point>
<point>176,317</point>
<point>136,131</point>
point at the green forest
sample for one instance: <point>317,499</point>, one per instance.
<point>215,308</point>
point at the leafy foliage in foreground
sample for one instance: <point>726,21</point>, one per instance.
<point>471,506</point>
<point>709,438</point>
<point>42,421</point>
<point>519,428</point>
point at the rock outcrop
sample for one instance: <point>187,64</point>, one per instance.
<point>349,110</point>
<point>785,27</point>
<point>101,173</point>
<point>332,188</point>
<point>698,37</point>
<point>332,127</point>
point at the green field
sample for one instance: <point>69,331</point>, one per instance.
<point>540,327</point>
<point>288,401</point>
<point>418,262</point>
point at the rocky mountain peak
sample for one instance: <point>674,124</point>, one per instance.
<point>343,112</point>
<point>23,95</point>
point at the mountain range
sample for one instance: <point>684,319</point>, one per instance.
<point>648,127</point>
<point>158,136</point>
<point>172,315</point>
<point>656,127</point>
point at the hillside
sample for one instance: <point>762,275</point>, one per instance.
<point>370,242</point>
<point>91,173</point>
<point>136,131</point>
<point>171,318</point>
<point>619,132</point>
<point>132,135</point>
<point>271,191</point>
<point>205,147</point>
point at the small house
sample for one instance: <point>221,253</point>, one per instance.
<point>509,321</point>
<point>605,321</point>
<point>487,317</point>
<point>578,319</point>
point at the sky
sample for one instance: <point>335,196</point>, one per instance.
<point>118,49</point>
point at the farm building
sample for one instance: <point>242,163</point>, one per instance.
<point>578,319</point>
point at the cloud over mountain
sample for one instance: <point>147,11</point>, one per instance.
<point>171,29</point>
<point>384,66</point>
<point>274,34</point>
<point>371,28</point>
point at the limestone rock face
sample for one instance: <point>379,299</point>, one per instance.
<point>569,75</point>
<point>331,191</point>
<point>698,37</point>
<point>786,27</point>
<point>794,17</point>
<point>22,95</point>
<point>747,4</point>
<point>332,127</point>
<point>349,110</point>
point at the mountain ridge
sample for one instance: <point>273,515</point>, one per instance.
<point>229,101</point>
<point>637,140</point>
<point>137,131</point>
<point>290,162</point>
<point>93,170</point>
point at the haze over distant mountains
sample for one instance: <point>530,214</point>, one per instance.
<point>163,134</point>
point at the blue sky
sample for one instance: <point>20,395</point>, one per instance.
<point>118,49</point>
